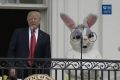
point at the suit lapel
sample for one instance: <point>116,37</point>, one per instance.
<point>27,40</point>
<point>39,41</point>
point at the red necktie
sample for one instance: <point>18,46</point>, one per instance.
<point>32,47</point>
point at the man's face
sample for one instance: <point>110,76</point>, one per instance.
<point>33,21</point>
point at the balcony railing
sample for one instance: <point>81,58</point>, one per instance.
<point>63,69</point>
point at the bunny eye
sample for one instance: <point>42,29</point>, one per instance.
<point>77,37</point>
<point>74,37</point>
<point>76,34</point>
<point>91,35</point>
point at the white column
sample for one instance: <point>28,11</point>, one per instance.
<point>57,29</point>
<point>111,31</point>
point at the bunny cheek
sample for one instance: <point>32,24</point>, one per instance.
<point>75,44</point>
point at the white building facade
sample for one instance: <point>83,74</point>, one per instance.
<point>106,27</point>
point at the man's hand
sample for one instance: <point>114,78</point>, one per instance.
<point>12,72</point>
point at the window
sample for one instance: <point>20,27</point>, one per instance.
<point>23,1</point>
<point>32,1</point>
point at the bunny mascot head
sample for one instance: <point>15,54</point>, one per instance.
<point>82,39</point>
<point>81,32</point>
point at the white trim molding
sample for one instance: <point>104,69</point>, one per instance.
<point>23,6</point>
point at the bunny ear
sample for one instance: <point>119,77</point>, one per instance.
<point>67,20</point>
<point>90,20</point>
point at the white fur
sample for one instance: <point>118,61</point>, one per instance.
<point>78,33</point>
<point>91,54</point>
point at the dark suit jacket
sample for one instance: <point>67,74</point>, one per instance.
<point>19,44</point>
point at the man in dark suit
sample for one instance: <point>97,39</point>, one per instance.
<point>22,39</point>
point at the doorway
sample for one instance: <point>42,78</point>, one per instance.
<point>10,19</point>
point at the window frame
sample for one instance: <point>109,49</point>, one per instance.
<point>43,8</point>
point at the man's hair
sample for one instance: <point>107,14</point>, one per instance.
<point>34,12</point>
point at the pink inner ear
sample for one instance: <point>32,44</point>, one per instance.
<point>68,21</point>
<point>91,20</point>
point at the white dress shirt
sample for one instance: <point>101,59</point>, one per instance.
<point>36,35</point>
